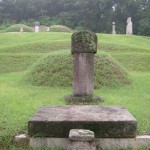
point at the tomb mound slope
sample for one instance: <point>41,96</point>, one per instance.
<point>59,28</point>
<point>57,71</point>
<point>16,28</point>
<point>16,63</point>
<point>134,62</point>
<point>36,47</point>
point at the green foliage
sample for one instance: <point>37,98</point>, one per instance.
<point>45,20</point>
<point>57,71</point>
<point>96,15</point>
<point>6,24</point>
<point>59,28</point>
<point>16,28</point>
<point>29,22</point>
<point>144,27</point>
<point>79,28</point>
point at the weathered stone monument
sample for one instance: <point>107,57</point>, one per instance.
<point>48,29</point>
<point>37,27</point>
<point>51,125</point>
<point>113,28</point>
<point>106,122</point>
<point>84,46</point>
<point>129,29</point>
<point>21,29</point>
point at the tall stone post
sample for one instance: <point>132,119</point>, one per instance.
<point>21,29</point>
<point>84,46</point>
<point>37,26</point>
<point>113,28</point>
<point>129,27</point>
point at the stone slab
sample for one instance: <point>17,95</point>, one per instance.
<point>140,142</point>
<point>81,135</point>
<point>78,145</point>
<point>37,143</point>
<point>57,121</point>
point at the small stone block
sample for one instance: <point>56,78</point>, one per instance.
<point>143,140</point>
<point>84,42</point>
<point>81,135</point>
<point>57,121</point>
<point>78,145</point>
<point>21,139</point>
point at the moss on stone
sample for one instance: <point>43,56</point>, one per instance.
<point>84,42</point>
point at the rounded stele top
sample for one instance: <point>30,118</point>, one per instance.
<point>84,42</point>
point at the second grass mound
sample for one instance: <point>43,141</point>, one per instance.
<point>17,27</point>
<point>59,28</point>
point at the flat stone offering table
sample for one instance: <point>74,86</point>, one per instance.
<point>105,122</point>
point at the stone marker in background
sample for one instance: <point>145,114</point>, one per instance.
<point>84,46</point>
<point>129,29</point>
<point>37,26</point>
<point>48,29</point>
<point>113,28</point>
<point>21,29</point>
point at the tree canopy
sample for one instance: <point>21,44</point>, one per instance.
<point>94,15</point>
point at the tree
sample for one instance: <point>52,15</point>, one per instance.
<point>94,15</point>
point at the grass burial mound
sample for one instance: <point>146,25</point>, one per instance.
<point>16,28</point>
<point>16,63</point>
<point>57,71</point>
<point>59,28</point>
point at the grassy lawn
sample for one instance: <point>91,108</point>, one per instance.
<point>19,100</point>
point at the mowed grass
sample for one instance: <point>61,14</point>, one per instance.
<point>56,71</point>
<point>15,63</point>
<point>19,100</point>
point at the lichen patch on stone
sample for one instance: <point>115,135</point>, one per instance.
<point>84,42</point>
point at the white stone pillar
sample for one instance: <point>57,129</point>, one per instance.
<point>113,28</point>
<point>21,29</point>
<point>84,46</point>
<point>37,27</point>
<point>129,26</point>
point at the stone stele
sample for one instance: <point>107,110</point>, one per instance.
<point>106,122</point>
<point>84,46</point>
<point>113,28</point>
